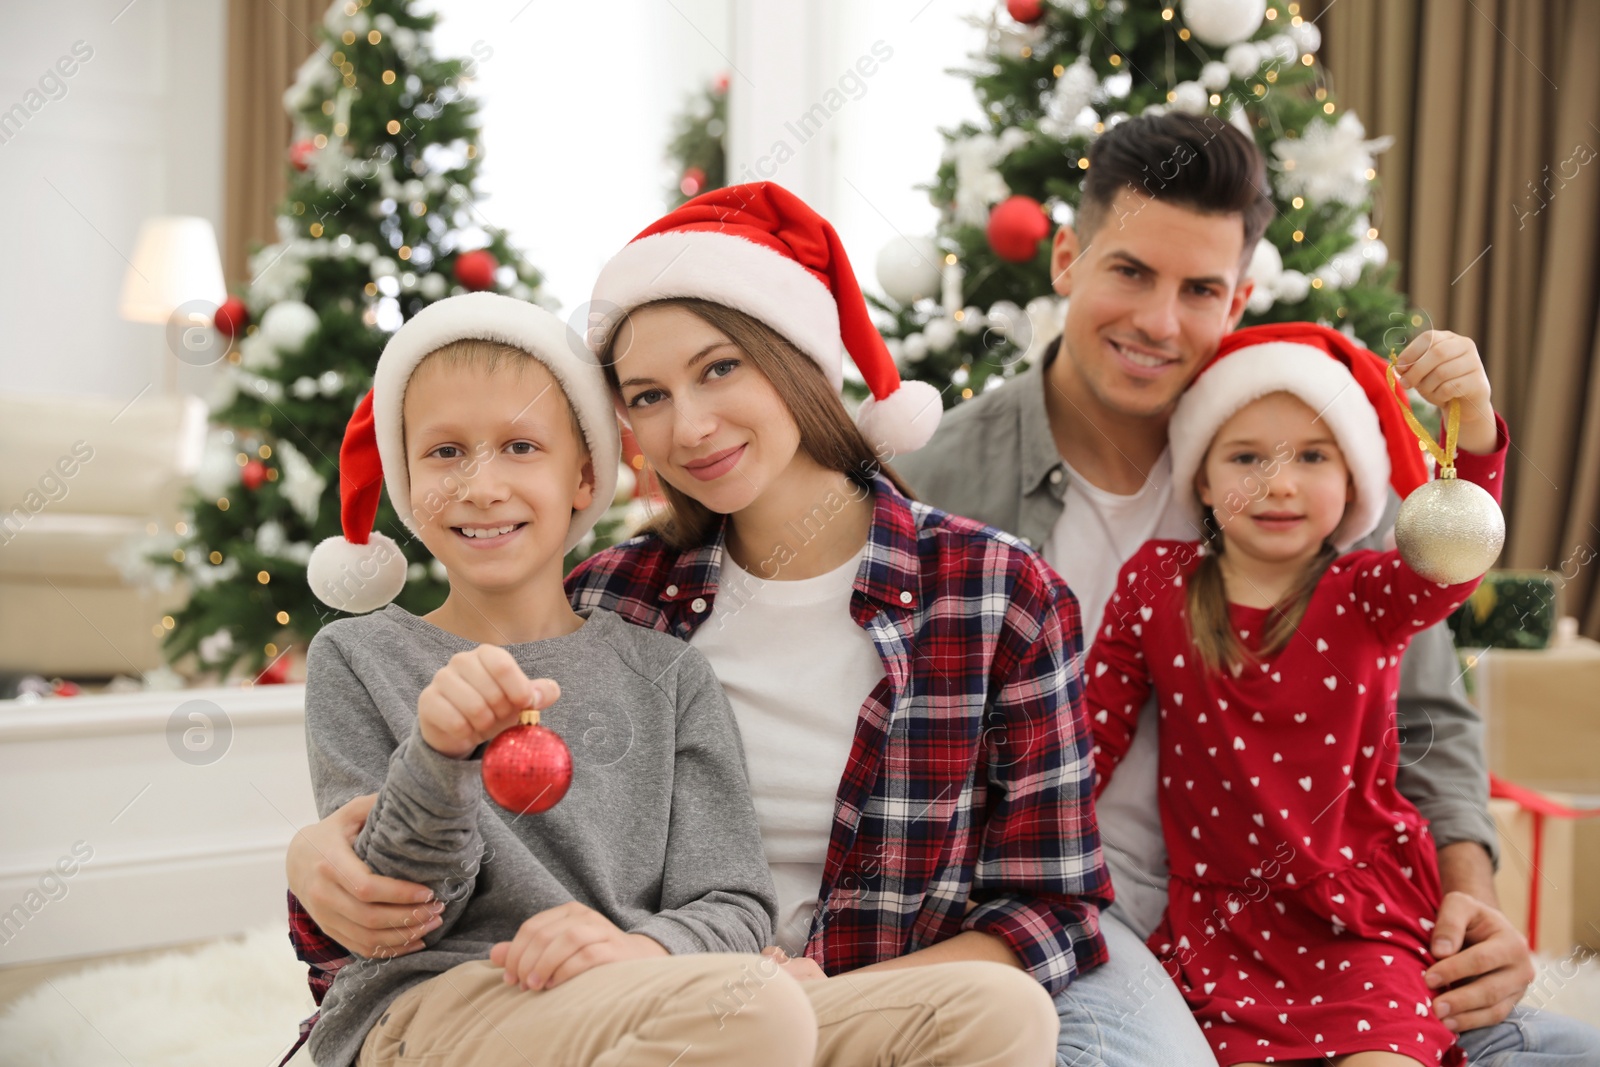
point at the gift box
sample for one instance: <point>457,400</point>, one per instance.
<point>1586,878</point>
<point>1548,881</point>
<point>1542,713</point>
<point>1510,609</point>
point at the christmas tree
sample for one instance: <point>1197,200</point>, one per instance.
<point>379,221</point>
<point>1050,78</point>
<point>698,150</point>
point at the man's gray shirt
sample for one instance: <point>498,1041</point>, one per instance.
<point>657,831</point>
<point>992,460</point>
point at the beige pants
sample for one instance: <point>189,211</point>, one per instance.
<point>709,1010</point>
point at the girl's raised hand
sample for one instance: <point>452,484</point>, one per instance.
<point>1443,366</point>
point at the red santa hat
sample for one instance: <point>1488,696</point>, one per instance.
<point>1343,382</point>
<point>761,250</point>
<point>364,570</point>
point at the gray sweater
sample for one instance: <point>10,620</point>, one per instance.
<point>657,831</point>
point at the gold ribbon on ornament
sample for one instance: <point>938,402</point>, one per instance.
<point>1443,453</point>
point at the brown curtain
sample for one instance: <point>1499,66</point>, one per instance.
<point>1491,203</point>
<point>267,42</point>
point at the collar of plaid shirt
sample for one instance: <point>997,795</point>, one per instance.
<point>979,691</point>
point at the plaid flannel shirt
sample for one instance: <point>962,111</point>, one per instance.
<point>965,802</point>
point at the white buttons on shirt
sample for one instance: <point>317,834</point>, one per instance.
<point>1056,476</point>
<point>905,598</point>
<point>1026,541</point>
<point>698,605</point>
<point>672,590</point>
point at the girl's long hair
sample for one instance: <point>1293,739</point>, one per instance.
<point>827,434</point>
<point>1210,627</point>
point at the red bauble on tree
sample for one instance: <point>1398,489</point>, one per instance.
<point>276,672</point>
<point>231,318</point>
<point>475,270</point>
<point>528,768</point>
<point>1028,11</point>
<point>1016,226</point>
<point>300,154</point>
<point>694,180</point>
<point>253,474</point>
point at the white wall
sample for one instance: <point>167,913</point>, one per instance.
<point>577,107</point>
<point>878,72</point>
<point>136,133</point>
<point>887,142</point>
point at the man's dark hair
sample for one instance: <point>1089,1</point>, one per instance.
<point>1195,161</point>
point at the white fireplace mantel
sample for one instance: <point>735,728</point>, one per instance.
<point>170,810</point>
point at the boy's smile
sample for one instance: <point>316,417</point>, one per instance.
<point>482,537</point>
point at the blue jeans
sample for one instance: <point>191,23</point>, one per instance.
<point>1533,1039</point>
<point>1128,1013</point>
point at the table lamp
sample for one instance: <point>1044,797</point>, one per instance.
<point>175,271</point>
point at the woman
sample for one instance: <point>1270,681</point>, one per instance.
<point>905,681</point>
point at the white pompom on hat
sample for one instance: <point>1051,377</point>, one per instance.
<point>759,249</point>
<point>1344,383</point>
<point>364,570</point>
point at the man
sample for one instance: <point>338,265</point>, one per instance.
<point>1071,457</point>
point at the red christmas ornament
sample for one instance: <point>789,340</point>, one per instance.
<point>1016,226</point>
<point>475,270</point>
<point>231,318</point>
<point>300,154</point>
<point>252,474</point>
<point>63,688</point>
<point>694,180</point>
<point>720,83</point>
<point>1028,11</point>
<point>275,673</point>
<point>528,768</point>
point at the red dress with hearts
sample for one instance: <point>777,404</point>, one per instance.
<point>1303,885</point>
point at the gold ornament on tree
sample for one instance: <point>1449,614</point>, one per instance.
<point>1449,530</point>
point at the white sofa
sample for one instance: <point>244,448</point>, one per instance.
<point>80,477</point>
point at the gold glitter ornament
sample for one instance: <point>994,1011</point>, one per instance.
<point>1449,530</point>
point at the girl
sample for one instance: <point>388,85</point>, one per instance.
<point>1303,884</point>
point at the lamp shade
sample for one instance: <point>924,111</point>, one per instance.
<point>174,263</point>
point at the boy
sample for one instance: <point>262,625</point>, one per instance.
<point>499,448</point>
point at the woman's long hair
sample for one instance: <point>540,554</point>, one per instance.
<point>1210,627</point>
<point>827,435</point>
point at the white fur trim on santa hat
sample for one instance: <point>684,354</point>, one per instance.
<point>493,317</point>
<point>904,420</point>
<point>1317,378</point>
<point>356,578</point>
<point>727,270</point>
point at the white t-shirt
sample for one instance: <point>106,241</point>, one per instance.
<point>796,669</point>
<point>1088,545</point>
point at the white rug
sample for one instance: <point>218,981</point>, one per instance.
<point>233,1003</point>
<point>239,1002</point>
